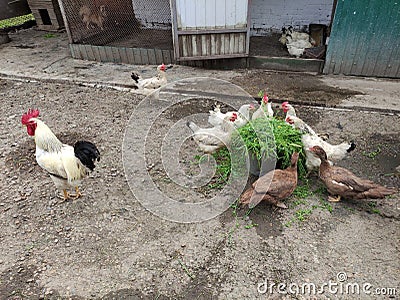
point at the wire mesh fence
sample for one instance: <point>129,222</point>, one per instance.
<point>125,23</point>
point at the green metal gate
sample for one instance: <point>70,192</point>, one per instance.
<point>365,39</point>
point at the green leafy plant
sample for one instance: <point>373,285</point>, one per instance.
<point>49,35</point>
<point>270,138</point>
<point>16,21</point>
<point>303,214</point>
<point>302,191</point>
<point>372,154</point>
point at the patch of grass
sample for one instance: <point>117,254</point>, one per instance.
<point>326,205</point>
<point>251,225</point>
<point>302,191</point>
<point>373,154</point>
<point>373,209</point>
<point>223,167</point>
<point>234,206</point>
<point>321,191</point>
<point>16,21</point>
<point>299,202</point>
<point>350,209</point>
<point>303,214</point>
<point>49,35</point>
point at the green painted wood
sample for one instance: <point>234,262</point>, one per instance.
<point>365,38</point>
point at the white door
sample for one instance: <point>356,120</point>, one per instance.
<point>210,29</point>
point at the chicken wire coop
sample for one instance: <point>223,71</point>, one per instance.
<point>170,31</point>
<point>127,31</point>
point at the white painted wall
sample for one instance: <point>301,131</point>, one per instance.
<point>266,15</point>
<point>211,14</point>
<point>153,13</point>
<point>272,15</point>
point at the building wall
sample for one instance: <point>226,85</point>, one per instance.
<point>272,15</point>
<point>153,13</point>
<point>266,16</point>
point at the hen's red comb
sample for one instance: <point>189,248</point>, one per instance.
<point>163,67</point>
<point>285,103</point>
<point>32,113</point>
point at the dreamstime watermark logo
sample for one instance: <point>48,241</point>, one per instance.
<point>155,138</point>
<point>341,286</point>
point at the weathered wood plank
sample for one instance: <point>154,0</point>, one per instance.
<point>137,56</point>
<point>145,57</point>
<point>96,53</point>
<point>123,55</point>
<point>130,56</point>
<point>159,57</point>
<point>109,53</point>
<point>151,56</point>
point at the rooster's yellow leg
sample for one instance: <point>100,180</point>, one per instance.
<point>78,193</point>
<point>66,195</point>
<point>333,199</point>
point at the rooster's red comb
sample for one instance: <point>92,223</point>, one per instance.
<point>32,113</point>
<point>285,103</point>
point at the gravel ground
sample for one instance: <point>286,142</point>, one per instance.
<point>106,245</point>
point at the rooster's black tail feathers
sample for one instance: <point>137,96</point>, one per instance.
<point>87,153</point>
<point>135,77</point>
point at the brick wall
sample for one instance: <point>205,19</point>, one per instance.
<point>272,15</point>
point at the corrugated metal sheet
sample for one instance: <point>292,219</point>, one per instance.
<point>365,39</point>
<point>210,29</point>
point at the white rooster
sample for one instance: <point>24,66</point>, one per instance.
<point>65,164</point>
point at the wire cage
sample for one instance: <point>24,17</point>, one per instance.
<point>128,31</point>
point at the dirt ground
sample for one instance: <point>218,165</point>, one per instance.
<point>106,245</point>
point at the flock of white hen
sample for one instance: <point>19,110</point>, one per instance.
<point>296,42</point>
<point>211,139</point>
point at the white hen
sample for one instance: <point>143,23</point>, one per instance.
<point>296,47</point>
<point>288,109</point>
<point>242,116</point>
<point>210,140</point>
<point>311,139</point>
<point>154,82</point>
<point>265,109</point>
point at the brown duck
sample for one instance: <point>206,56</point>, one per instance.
<point>273,187</point>
<point>341,182</point>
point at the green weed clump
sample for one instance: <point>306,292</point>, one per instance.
<point>270,138</point>
<point>262,139</point>
<point>16,21</point>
